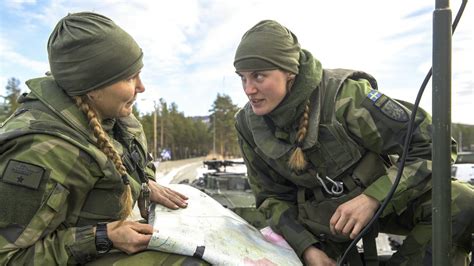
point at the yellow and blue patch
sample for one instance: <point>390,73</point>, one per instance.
<point>374,95</point>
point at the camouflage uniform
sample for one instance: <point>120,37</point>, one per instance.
<point>354,135</point>
<point>55,185</point>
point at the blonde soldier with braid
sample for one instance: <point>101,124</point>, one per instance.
<point>73,158</point>
<point>319,147</point>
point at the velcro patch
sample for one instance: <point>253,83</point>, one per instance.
<point>394,111</point>
<point>23,174</point>
<point>389,107</point>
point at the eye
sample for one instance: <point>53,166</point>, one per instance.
<point>258,76</point>
<point>132,78</point>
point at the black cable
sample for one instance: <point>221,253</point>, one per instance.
<point>404,153</point>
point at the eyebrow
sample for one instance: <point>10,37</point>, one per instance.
<point>134,75</point>
<point>251,72</point>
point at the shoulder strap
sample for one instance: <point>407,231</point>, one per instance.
<point>332,82</point>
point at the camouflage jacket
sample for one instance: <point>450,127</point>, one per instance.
<point>55,184</point>
<point>354,131</point>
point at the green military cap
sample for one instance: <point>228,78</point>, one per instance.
<point>87,51</point>
<point>268,45</point>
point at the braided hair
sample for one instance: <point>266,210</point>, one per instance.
<point>108,149</point>
<point>297,160</point>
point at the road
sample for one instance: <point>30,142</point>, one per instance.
<point>173,172</point>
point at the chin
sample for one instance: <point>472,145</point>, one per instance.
<point>125,113</point>
<point>259,111</point>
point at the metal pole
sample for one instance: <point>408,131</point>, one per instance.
<point>162,130</point>
<point>441,192</point>
<point>154,129</point>
<point>460,140</point>
<point>214,134</point>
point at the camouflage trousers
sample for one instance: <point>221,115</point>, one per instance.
<point>148,257</point>
<point>415,223</point>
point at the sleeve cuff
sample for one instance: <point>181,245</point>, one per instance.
<point>83,249</point>
<point>306,239</point>
<point>150,172</point>
<point>379,189</point>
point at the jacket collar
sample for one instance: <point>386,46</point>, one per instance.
<point>48,92</point>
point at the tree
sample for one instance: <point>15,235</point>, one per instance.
<point>184,136</point>
<point>13,92</point>
<point>464,136</point>
<point>222,125</point>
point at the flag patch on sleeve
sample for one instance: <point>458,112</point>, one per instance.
<point>374,95</point>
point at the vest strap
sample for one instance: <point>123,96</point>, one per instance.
<point>370,246</point>
<point>349,182</point>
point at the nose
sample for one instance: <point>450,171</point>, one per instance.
<point>139,87</point>
<point>249,87</point>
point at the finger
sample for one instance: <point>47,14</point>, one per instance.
<point>145,239</point>
<point>348,227</point>
<point>166,197</point>
<point>356,230</point>
<point>168,190</point>
<point>167,202</point>
<point>178,200</point>
<point>141,243</point>
<point>140,240</point>
<point>333,220</point>
<point>177,194</point>
<point>341,223</point>
<point>142,228</point>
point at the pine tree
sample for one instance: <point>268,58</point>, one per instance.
<point>222,123</point>
<point>13,92</point>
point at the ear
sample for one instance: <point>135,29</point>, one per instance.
<point>94,94</point>
<point>290,76</point>
<point>290,79</point>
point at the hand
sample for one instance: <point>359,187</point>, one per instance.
<point>166,196</point>
<point>350,217</point>
<point>314,256</point>
<point>129,236</point>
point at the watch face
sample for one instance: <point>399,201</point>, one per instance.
<point>103,246</point>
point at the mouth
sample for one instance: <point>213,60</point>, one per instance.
<point>131,102</point>
<point>256,101</point>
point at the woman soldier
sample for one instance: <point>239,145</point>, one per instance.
<point>318,143</point>
<point>73,157</point>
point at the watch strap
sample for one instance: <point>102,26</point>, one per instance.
<point>102,242</point>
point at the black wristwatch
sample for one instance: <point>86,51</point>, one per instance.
<point>102,241</point>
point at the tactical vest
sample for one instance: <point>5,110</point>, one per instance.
<point>329,151</point>
<point>60,118</point>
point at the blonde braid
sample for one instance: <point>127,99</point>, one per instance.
<point>297,160</point>
<point>106,147</point>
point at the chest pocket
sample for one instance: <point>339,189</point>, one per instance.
<point>335,151</point>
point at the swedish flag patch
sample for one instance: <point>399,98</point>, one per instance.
<point>374,95</point>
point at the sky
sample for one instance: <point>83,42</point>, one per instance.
<point>189,45</point>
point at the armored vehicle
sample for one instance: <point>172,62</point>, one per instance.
<point>231,189</point>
